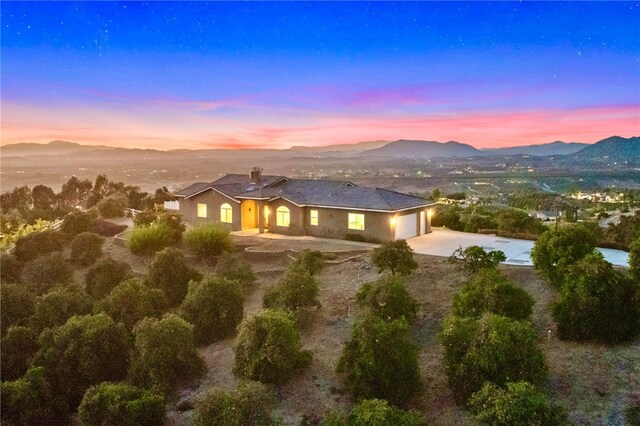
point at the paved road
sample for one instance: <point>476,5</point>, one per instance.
<point>443,242</point>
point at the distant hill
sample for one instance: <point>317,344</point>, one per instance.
<point>360,146</point>
<point>52,148</point>
<point>423,149</point>
<point>552,148</point>
<point>615,147</point>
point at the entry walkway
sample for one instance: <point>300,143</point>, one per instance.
<point>443,242</point>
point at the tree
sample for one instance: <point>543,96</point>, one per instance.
<point>74,191</point>
<point>517,404</point>
<point>208,240</point>
<point>85,351</point>
<point>214,306</point>
<point>514,221</point>
<point>77,222</point>
<point>86,248</point>
<point>311,260</point>
<point>170,273</point>
<point>112,207</point>
<point>164,353</point>
<point>10,269</point>
<point>17,348</point>
<point>475,258</point>
<point>474,222</point>
<point>376,412</point>
<point>490,291</point>
<point>131,300</point>
<point>492,348</point>
<point>121,404</point>
<point>38,244</point>
<point>598,303</point>
<point>379,361</point>
<point>634,259</point>
<point>105,275</point>
<point>43,198</point>
<point>395,256</point>
<point>173,221</point>
<point>296,290</point>
<point>45,272</point>
<point>148,240</point>
<point>18,304</point>
<point>232,268</point>
<point>557,249</point>
<point>250,404</point>
<point>56,307</point>
<point>447,216</point>
<point>388,298</point>
<point>268,348</point>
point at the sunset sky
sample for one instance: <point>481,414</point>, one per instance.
<point>272,75</point>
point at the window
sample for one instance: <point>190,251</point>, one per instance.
<point>313,217</point>
<point>356,221</point>
<point>226,213</point>
<point>202,210</point>
<point>283,216</point>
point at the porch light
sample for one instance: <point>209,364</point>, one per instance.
<point>430,213</point>
<point>392,221</point>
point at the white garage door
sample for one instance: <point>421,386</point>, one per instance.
<point>406,226</point>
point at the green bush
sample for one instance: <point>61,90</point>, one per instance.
<point>395,256</point>
<point>447,216</point>
<point>214,306</point>
<point>379,361</point>
<point>311,260</point>
<point>268,348</point>
<point>475,258</point>
<point>514,221</point>
<point>10,269</point>
<point>45,272</point>
<point>232,268</point>
<point>38,244</point>
<point>164,354</point>
<point>86,248</point>
<point>170,273</point>
<point>634,259</point>
<point>105,275</point>
<point>131,300</point>
<point>77,222</point>
<point>106,228</point>
<point>518,404</point>
<point>85,351</point>
<point>208,240</point>
<point>376,412</point>
<point>490,291</point>
<point>598,303</point>
<point>56,307</point>
<point>112,207</point>
<point>474,222</point>
<point>296,290</point>
<point>251,404</point>
<point>173,221</point>
<point>18,304</point>
<point>121,404</point>
<point>489,349</point>
<point>17,348</point>
<point>361,238</point>
<point>148,240</point>
<point>388,298</point>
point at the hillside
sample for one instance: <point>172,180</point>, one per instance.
<point>615,147</point>
<point>423,149</point>
<point>552,148</point>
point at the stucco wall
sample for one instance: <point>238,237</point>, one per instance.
<point>213,200</point>
<point>334,223</point>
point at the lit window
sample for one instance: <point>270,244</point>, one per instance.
<point>202,210</point>
<point>356,221</point>
<point>313,217</point>
<point>283,216</point>
<point>226,213</point>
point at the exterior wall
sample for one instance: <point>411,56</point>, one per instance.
<point>334,223</point>
<point>213,200</point>
<point>296,222</point>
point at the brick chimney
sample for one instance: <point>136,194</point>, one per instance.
<point>256,175</point>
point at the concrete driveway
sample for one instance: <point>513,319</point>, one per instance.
<point>443,242</point>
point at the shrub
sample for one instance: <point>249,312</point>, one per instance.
<point>296,290</point>
<point>145,217</point>
<point>77,222</point>
<point>10,269</point>
<point>388,298</point>
<point>105,275</point>
<point>214,306</point>
<point>475,258</point>
<point>379,361</point>
<point>395,256</point>
<point>121,404</point>
<point>85,351</point>
<point>56,307</point>
<point>148,240</point>
<point>632,411</point>
<point>131,300</point>
<point>361,238</point>
<point>45,272</point>
<point>16,350</point>
<point>173,221</point>
<point>164,353</point>
<point>208,240</point>
<point>250,404</point>
<point>376,412</point>
<point>634,259</point>
<point>474,222</point>
<point>268,348</point>
<point>38,244</point>
<point>518,404</point>
<point>311,260</point>
<point>112,207</point>
<point>598,303</point>
<point>514,221</point>
<point>447,216</point>
<point>232,268</point>
<point>556,250</point>
<point>18,304</point>
<point>86,248</point>
<point>170,273</point>
<point>490,291</point>
<point>106,228</point>
<point>489,349</point>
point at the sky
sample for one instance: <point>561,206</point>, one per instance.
<point>273,75</point>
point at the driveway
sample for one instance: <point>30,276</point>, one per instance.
<point>443,242</point>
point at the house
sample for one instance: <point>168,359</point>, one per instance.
<point>321,208</point>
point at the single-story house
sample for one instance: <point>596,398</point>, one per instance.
<point>321,208</point>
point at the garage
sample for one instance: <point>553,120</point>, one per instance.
<point>406,226</point>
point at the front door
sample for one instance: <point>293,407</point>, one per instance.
<point>249,216</point>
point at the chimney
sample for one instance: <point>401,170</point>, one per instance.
<point>256,175</point>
